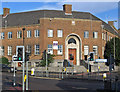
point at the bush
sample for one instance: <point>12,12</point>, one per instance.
<point>50,59</point>
<point>4,60</point>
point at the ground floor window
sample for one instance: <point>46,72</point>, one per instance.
<point>28,49</point>
<point>95,49</point>
<point>1,50</point>
<point>86,50</point>
<point>37,50</point>
<point>50,49</point>
<point>9,50</point>
<point>60,49</point>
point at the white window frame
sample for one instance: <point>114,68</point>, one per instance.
<point>19,34</point>
<point>2,35</point>
<point>9,50</point>
<point>59,33</point>
<point>95,35</point>
<point>109,38</point>
<point>9,35</point>
<point>86,50</point>
<point>36,33</point>
<point>102,36</point>
<point>86,34</point>
<point>60,50</point>
<point>95,50</point>
<point>37,49</point>
<point>29,34</point>
<point>50,49</point>
<point>102,51</point>
<point>28,49</point>
<point>2,50</point>
<point>50,33</point>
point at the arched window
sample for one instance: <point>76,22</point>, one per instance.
<point>71,40</point>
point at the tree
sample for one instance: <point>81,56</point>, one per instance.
<point>50,59</point>
<point>109,50</point>
<point>4,60</point>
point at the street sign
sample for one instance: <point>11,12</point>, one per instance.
<point>101,60</point>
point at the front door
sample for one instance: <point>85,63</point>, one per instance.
<point>72,55</point>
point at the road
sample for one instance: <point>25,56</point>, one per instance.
<point>38,83</point>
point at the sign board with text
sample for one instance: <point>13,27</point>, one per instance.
<point>101,60</point>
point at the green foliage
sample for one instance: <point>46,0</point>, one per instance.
<point>109,49</point>
<point>50,59</point>
<point>4,60</point>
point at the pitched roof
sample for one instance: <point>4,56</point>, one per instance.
<point>32,17</point>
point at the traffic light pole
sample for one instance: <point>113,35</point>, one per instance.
<point>23,76</point>
<point>26,75</point>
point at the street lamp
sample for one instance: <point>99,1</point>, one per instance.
<point>23,60</point>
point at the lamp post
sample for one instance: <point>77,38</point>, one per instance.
<point>23,61</point>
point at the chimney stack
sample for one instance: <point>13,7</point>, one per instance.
<point>6,11</point>
<point>111,23</point>
<point>67,8</point>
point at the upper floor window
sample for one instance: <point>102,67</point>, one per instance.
<point>36,33</point>
<point>9,50</point>
<point>59,33</point>
<point>102,36</point>
<point>37,49</point>
<point>9,35</point>
<point>2,35</point>
<point>109,38</point>
<point>95,34</point>
<point>19,34</point>
<point>86,50</point>
<point>28,49</point>
<point>1,50</point>
<point>95,49</point>
<point>86,34</point>
<point>28,33</point>
<point>50,33</point>
<point>50,49</point>
<point>60,49</point>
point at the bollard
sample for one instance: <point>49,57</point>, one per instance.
<point>32,71</point>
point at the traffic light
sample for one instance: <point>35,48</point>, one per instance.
<point>27,56</point>
<point>91,56</point>
<point>20,54</point>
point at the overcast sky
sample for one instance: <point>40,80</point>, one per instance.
<point>106,11</point>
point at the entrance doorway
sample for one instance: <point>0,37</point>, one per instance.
<point>72,55</point>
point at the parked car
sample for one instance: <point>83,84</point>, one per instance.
<point>6,68</point>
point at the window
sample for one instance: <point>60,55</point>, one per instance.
<point>102,36</point>
<point>36,33</point>
<point>9,35</point>
<point>50,49</point>
<point>28,34</point>
<point>102,51</point>
<point>109,38</point>
<point>71,40</point>
<point>2,35</point>
<point>1,50</point>
<point>50,33</point>
<point>9,50</point>
<point>59,33</point>
<point>28,49</point>
<point>37,50</point>
<point>60,49</point>
<point>86,34</point>
<point>95,49</point>
<point>86,50</point>
<point>95,34</point>
<point>19,34</point>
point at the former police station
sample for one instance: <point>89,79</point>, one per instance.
<point>60,32</point>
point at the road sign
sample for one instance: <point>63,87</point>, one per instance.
<point>101,60</point>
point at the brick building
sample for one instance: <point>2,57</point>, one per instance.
<point>62,33</point>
